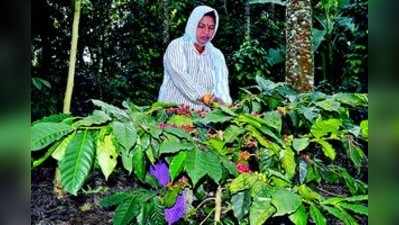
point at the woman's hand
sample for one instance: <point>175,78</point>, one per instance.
<point>207,99</point>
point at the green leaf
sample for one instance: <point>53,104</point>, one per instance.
<point>240,203</point>
<point>341,214</point>
<point>196,165</point>
<point>317,38</point>
<point>125,133</point>
<point>323,127</point>
<point>261,210</point>
<point>356,208</point>
<point>364,128</point>
<point>286,202</point>
<point>216,116</point>
<point>317,217</point>
<point>114,199</point>
<point>265,85</point>
<point>242,182</point>
<point>300,217</point>
<point>170,197</point>
<point>351,99</point>
<point>106,155</point>
<point>139,162</point>
<point>77,162</point>
<point>230,166</point>
<point>111,110</point>
<point>43,134</point>
<point>288,162</point>
<point>327,148</point>
<point>127,161</point>
<point>300,144</point>
<point>357,198</point>
<point>215,170</point>
<point>126,211</point>
<point>98,117</point>
<point>273,120</point>
<point>308,194</point>
<point>303,170</point>
<point>217,145</point>
<point>180,120</point>
<point>180,133</point>
<point>329,105</point>
<point>172,146</point>
<point>232,133</point>
<point>59,152</point>
<point>177,164</point>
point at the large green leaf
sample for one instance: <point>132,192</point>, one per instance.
<point>127,211</point>
<point>139,162</point>
<point>125,133</point>
<point>180,120</point>
<point>216,116</point>
<point>114,199</point>
<point>341,214</point>
<point>364,128</point>
<point>215,169</point>
<point>177,164</point>
<point>300,144</point>
<point>308,194</point>
<point>300,217</point>
<point>317,217</point>
<point>351,99</point>
<point>43,134</point>
<point>196,165</point>
<point>240,203</point>
<point>323,127</point>
<point>356,208</point>
<point>261,209</point>
<point>77,162</point>
<point>111,110</point>
<point>327,148</point>
<point>98,117</point>
<point>127,160</point>
<point>329,105</point>
<point>172,146</point>
<point>106,155</point>
<point>273,119</point>
<point>232,133</point>
<point>288,162</point>
<point>59,152</point>
<point>180,133</point>
<point>285,201</point>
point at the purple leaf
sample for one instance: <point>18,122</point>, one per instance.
<point>177,211</point>
<point>160,171</point>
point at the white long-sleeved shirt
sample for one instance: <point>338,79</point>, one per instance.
<point>189,75</point>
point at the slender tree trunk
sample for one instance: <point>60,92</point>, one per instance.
<point>299,56</point>
<point>247,20</point>
<point>165,23</point>
<point>72,58</point>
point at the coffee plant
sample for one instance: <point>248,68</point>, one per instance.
<point>274,153</point>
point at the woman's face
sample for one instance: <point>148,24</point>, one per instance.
<point>205,30</point>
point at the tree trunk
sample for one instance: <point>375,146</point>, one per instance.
<point>247,20</point>
<point>299,64</point>
<point>72,58</point>
<point>165,6</point>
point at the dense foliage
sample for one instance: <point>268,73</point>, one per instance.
<point>275,153</point>
<point>121,44</point>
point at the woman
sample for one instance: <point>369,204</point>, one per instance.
<point>195,72</point>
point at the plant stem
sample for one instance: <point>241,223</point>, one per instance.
<point>218,205</point>
<point>206,218</point>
